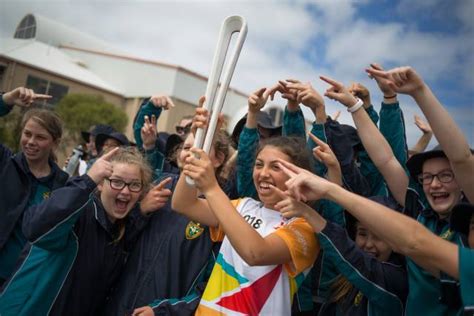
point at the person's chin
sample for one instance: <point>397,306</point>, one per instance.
<point>443,210</point>
<point>120,214</point>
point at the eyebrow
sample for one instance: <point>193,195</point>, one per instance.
<point>39,134</point>
<point>443,170</point>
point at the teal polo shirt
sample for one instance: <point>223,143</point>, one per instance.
<point>425,289</point>
<point>466,278</point>
<point>15,244</point>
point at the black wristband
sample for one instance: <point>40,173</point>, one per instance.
<point>390,97</point>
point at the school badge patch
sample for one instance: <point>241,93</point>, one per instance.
<point>193,230</point>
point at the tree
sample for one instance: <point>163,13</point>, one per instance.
<point>10,129</point>
<point>80,111</point>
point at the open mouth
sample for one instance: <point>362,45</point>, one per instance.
<point>439,197</point>
<point>264,187</point>
<point>121,204</point>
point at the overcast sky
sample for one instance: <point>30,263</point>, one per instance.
<point>291,39</point>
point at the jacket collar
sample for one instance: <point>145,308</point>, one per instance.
<point>57,176</point>
<point>101,216</point>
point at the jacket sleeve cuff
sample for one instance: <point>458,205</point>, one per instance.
<point>4,108</point>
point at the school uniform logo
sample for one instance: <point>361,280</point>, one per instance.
<point>193,230</point>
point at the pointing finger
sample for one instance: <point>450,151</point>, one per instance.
<point>108,156</point>
<point>163,183</point>
<point>318,141</point>
<point>279,192</point>
<point>332,82</point>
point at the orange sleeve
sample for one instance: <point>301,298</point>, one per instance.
<point>217,234</point>
<point>301,241</point>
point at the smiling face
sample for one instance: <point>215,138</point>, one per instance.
<point>267,172</point>
<point>36,142</point>
<point>371,244</point>
<point>442,197</point>
<point>118,203</point>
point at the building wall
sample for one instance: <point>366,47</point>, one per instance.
<point>16,75</point>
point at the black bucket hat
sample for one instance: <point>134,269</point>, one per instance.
<point>351,133</point>
<point>461,217</point>
<point>415,163</point>
<point>263,120</point>
<point>101,138</point>
<point>167,143</point>
<point>96,130</point>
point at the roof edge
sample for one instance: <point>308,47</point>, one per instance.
<point>147,61</point>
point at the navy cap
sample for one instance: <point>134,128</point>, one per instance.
<point>101,138</point>
<point>263,120</point>
<point>96,130</point>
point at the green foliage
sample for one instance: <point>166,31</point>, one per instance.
<point>79,112</point>
<point>10,129</point>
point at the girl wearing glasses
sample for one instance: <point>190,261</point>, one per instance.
<point>80,240</point>
<point>433,190</point>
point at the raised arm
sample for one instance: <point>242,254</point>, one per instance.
<point>20,96</point>
<point>47,224</point>
<point>425,139</point>
<point>455,146</point>
<point>374,142</point>
<point>150,108</point>
<point>293,119</point>
<point>404,235</point>
<point>248,143</point>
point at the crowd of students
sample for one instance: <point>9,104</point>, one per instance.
<point>337,221</point>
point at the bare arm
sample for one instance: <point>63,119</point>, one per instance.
<point>375,144</point>
<point>186,202</point>
<point>425,139</point>
<point>454,144</point>
<point>403,234</point>
<point>248,243</point>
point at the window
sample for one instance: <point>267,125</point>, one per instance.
<point>43,86</point>
<point>26,28</point>
<point>3,70</point>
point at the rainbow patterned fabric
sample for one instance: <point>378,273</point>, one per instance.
<point>235,288</point>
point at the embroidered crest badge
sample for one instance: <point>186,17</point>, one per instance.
<point>193,230</point>
<point>447,235</point>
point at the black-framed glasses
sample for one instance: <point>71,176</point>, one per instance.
<point>443,177</point>
<point>118,184</point>
<point>183,129</point>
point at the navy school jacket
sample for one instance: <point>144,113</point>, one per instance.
<point>379,288</point>
<point>72,260</point>
<point>168,268</point>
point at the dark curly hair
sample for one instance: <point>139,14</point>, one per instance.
<point>293,147</point>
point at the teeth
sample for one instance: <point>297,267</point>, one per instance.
<point>264,185</point>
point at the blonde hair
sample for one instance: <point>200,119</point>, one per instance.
<point>132,156</point>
